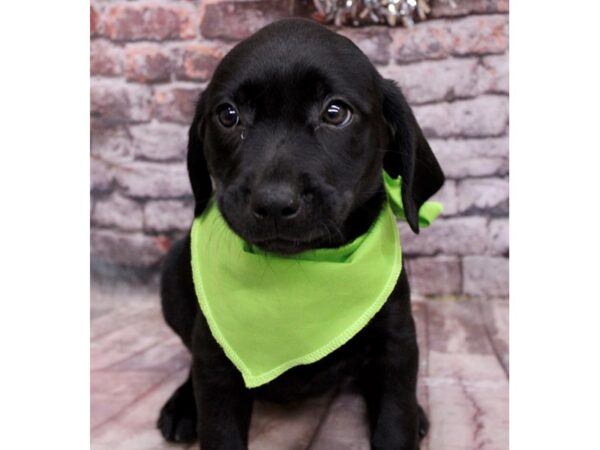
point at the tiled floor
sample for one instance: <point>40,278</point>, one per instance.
<point>137,362</point>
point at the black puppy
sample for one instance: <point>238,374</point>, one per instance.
<point>290,138</point>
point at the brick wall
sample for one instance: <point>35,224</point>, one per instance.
<point>150,60</point>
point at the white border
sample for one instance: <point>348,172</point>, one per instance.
<point>554,187</point>
<point>44,189</point>
<point>44,185</point>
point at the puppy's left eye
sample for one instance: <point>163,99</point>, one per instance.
<point>228,116</point>
<point>337,113</point>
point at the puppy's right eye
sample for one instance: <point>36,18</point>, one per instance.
<point>228,116</point>
<point>337,114</point>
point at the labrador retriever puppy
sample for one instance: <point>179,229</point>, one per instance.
<point>290,139</point>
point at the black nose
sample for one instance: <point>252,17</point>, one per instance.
<point>275,201</point>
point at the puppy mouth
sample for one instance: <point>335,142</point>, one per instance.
<point>275,241</point>
<point>284,246</point>
<point>310,233</point>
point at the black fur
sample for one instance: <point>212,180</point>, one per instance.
<point>279,80</point>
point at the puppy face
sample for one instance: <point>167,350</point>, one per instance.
<point>294,130</point>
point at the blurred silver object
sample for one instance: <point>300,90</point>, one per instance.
<point>357,12</point>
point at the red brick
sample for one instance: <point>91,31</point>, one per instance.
<point>438,39</point>
<point>429,81</point>
<point>94,21</point>
<point>447,196</point>
<point>105,59</point>
<point>482,116</point>
<point>483,194</point>
<point>485,276</point>
<point>435,276</point>
<point>128,249</point>
<point>235,20</point>
<point>119,212</point>
<point>373,41</point>
<point>472,157</point>
<point>111,142</point>
<point>493,74</point>
<point>168,215</point>
<point>147,64</point>
<point>444,8</point>
<point>479,35</point>
<point>159,141</point>
<point>426,40</point>
<point>101,176</point>
<point>154,180</point>
<point>107,104</point>
<point>499,242</point>
<point>131,22</point>
<point>116,102</point>
<point>451,236</point>
<point>175,104</point>
<point>196,62</point>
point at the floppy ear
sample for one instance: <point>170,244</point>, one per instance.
<point>409,155</point>
<point>196,163</point>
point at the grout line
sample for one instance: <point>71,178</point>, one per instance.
<point>489,338</point>
<point>143,395</point>
<point>129,319</point>
<point>112,366</point>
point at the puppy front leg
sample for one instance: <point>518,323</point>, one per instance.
<point>389,384</point>
<point>224,404</point>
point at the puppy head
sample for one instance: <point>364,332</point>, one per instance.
<point>294,130</point>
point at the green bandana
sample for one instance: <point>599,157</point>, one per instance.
<point>271,313</point>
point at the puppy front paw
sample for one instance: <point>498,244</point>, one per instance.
<point>178,417</point>
<point>423,423</point>
<point>389,436</point>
